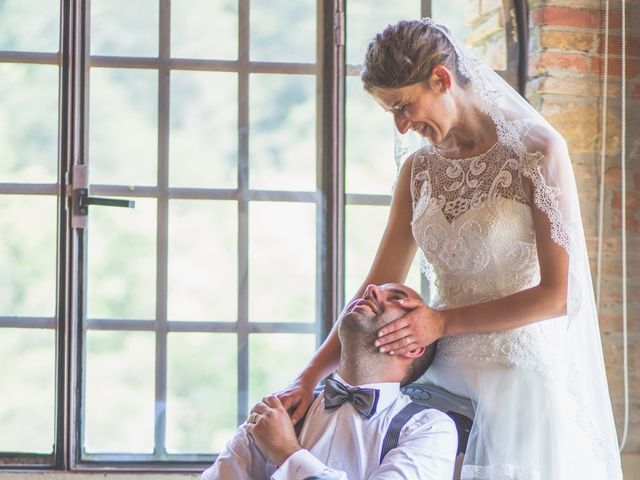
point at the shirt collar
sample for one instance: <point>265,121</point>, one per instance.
<point>389,391</point>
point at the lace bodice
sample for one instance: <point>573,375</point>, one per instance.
<point>473,222</point>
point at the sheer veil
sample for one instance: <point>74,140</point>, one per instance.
<point>543,158</point>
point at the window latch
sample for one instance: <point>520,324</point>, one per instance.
<point>81,199</point>
<point>84,200</point>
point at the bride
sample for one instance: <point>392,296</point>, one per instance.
<point>492,205</point>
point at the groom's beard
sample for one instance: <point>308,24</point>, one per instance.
<point>360,360</point>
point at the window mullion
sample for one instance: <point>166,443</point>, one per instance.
<point>332,121</point>
<point>72,253</point>
<point>164,79</point>
<point>243,210</point>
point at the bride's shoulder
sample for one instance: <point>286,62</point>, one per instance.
<point>541,137</point>
<point>413,169</point>
<point>418,159</point>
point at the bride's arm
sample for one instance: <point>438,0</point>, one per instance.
<point>546,300</point>
<point>391,264</point>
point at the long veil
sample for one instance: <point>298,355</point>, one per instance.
<point>544,159</point>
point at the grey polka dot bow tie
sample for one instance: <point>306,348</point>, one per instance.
<point>364,400</point>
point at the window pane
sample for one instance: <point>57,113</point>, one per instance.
<point>204,129</point>
<point>122,261</point>
<point>364,226</point>
<point>370,162</point>
<point>29,25</point>
<point>27,383</point>
<point>198,26</point>
<point>366,18</point>
<point>282,259</point>
<point>124,27</point>
<point>28,122</point>
<point>268,372</point>
<point>202,384</point>
<point>203,278</point>
<point>414,278</point>
<point>28,255</point>
<point>120,395</point>
<point>282,144</point>
<point>283,31</point>
<point>481,27</point>
<point>363,231</point>
<point>123,140</point>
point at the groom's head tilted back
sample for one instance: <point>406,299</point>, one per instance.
<point>360,361</point>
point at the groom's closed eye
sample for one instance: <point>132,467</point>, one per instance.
<point>398,294</point>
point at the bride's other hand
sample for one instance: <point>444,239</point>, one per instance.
<point>296,399</point>
<point>419,327</point>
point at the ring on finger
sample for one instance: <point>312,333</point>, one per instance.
<point>408,340</point>
<point>252,417</point>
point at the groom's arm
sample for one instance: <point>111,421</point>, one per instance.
<point>272,429</point>
<point>240,460</point>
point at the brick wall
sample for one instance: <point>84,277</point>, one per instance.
<point>565,77</point>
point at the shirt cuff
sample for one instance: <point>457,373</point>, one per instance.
<point>300,465</point>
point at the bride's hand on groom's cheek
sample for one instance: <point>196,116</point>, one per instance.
<point>419,327</point>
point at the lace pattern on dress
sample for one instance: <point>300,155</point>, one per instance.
<point>458,186</point>
<point>472,220</point>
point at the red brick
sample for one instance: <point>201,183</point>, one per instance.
<point>612,321</point>
<point>633,200</point>
<point>565,61</point>
<point>612,177</point>
<point>573,17</point>
<point>609,322</point>
<point>633,221</point>
<point>570,17</point>
<point>609,244</point>
<point>615,45</point>
<point>615,66</point>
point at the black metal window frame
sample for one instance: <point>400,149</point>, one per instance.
<point>330,199</point>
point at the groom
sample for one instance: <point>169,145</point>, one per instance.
<point>348,432</point>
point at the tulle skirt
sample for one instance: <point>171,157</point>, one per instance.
<point>526,424</point>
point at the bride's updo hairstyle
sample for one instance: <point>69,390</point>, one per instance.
<point>406,53</point>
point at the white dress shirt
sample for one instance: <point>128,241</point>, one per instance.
<point>343,445</point>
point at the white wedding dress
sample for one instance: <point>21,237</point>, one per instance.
<point>472,219</point>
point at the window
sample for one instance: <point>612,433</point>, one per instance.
<point>139,337</point>
<point>29,172</point>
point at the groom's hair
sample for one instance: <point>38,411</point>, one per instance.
<point>417,368</point>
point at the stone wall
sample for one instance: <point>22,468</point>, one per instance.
<point>566,46</point>
<point>487,38</point>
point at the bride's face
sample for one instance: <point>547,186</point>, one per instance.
<point>427,108</point>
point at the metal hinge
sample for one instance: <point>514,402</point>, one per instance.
<point>338,28</point>
<point>80,199</point>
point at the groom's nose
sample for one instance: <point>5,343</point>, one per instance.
<point>373,291</point>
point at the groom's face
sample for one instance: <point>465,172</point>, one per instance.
<point>380,305</point>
